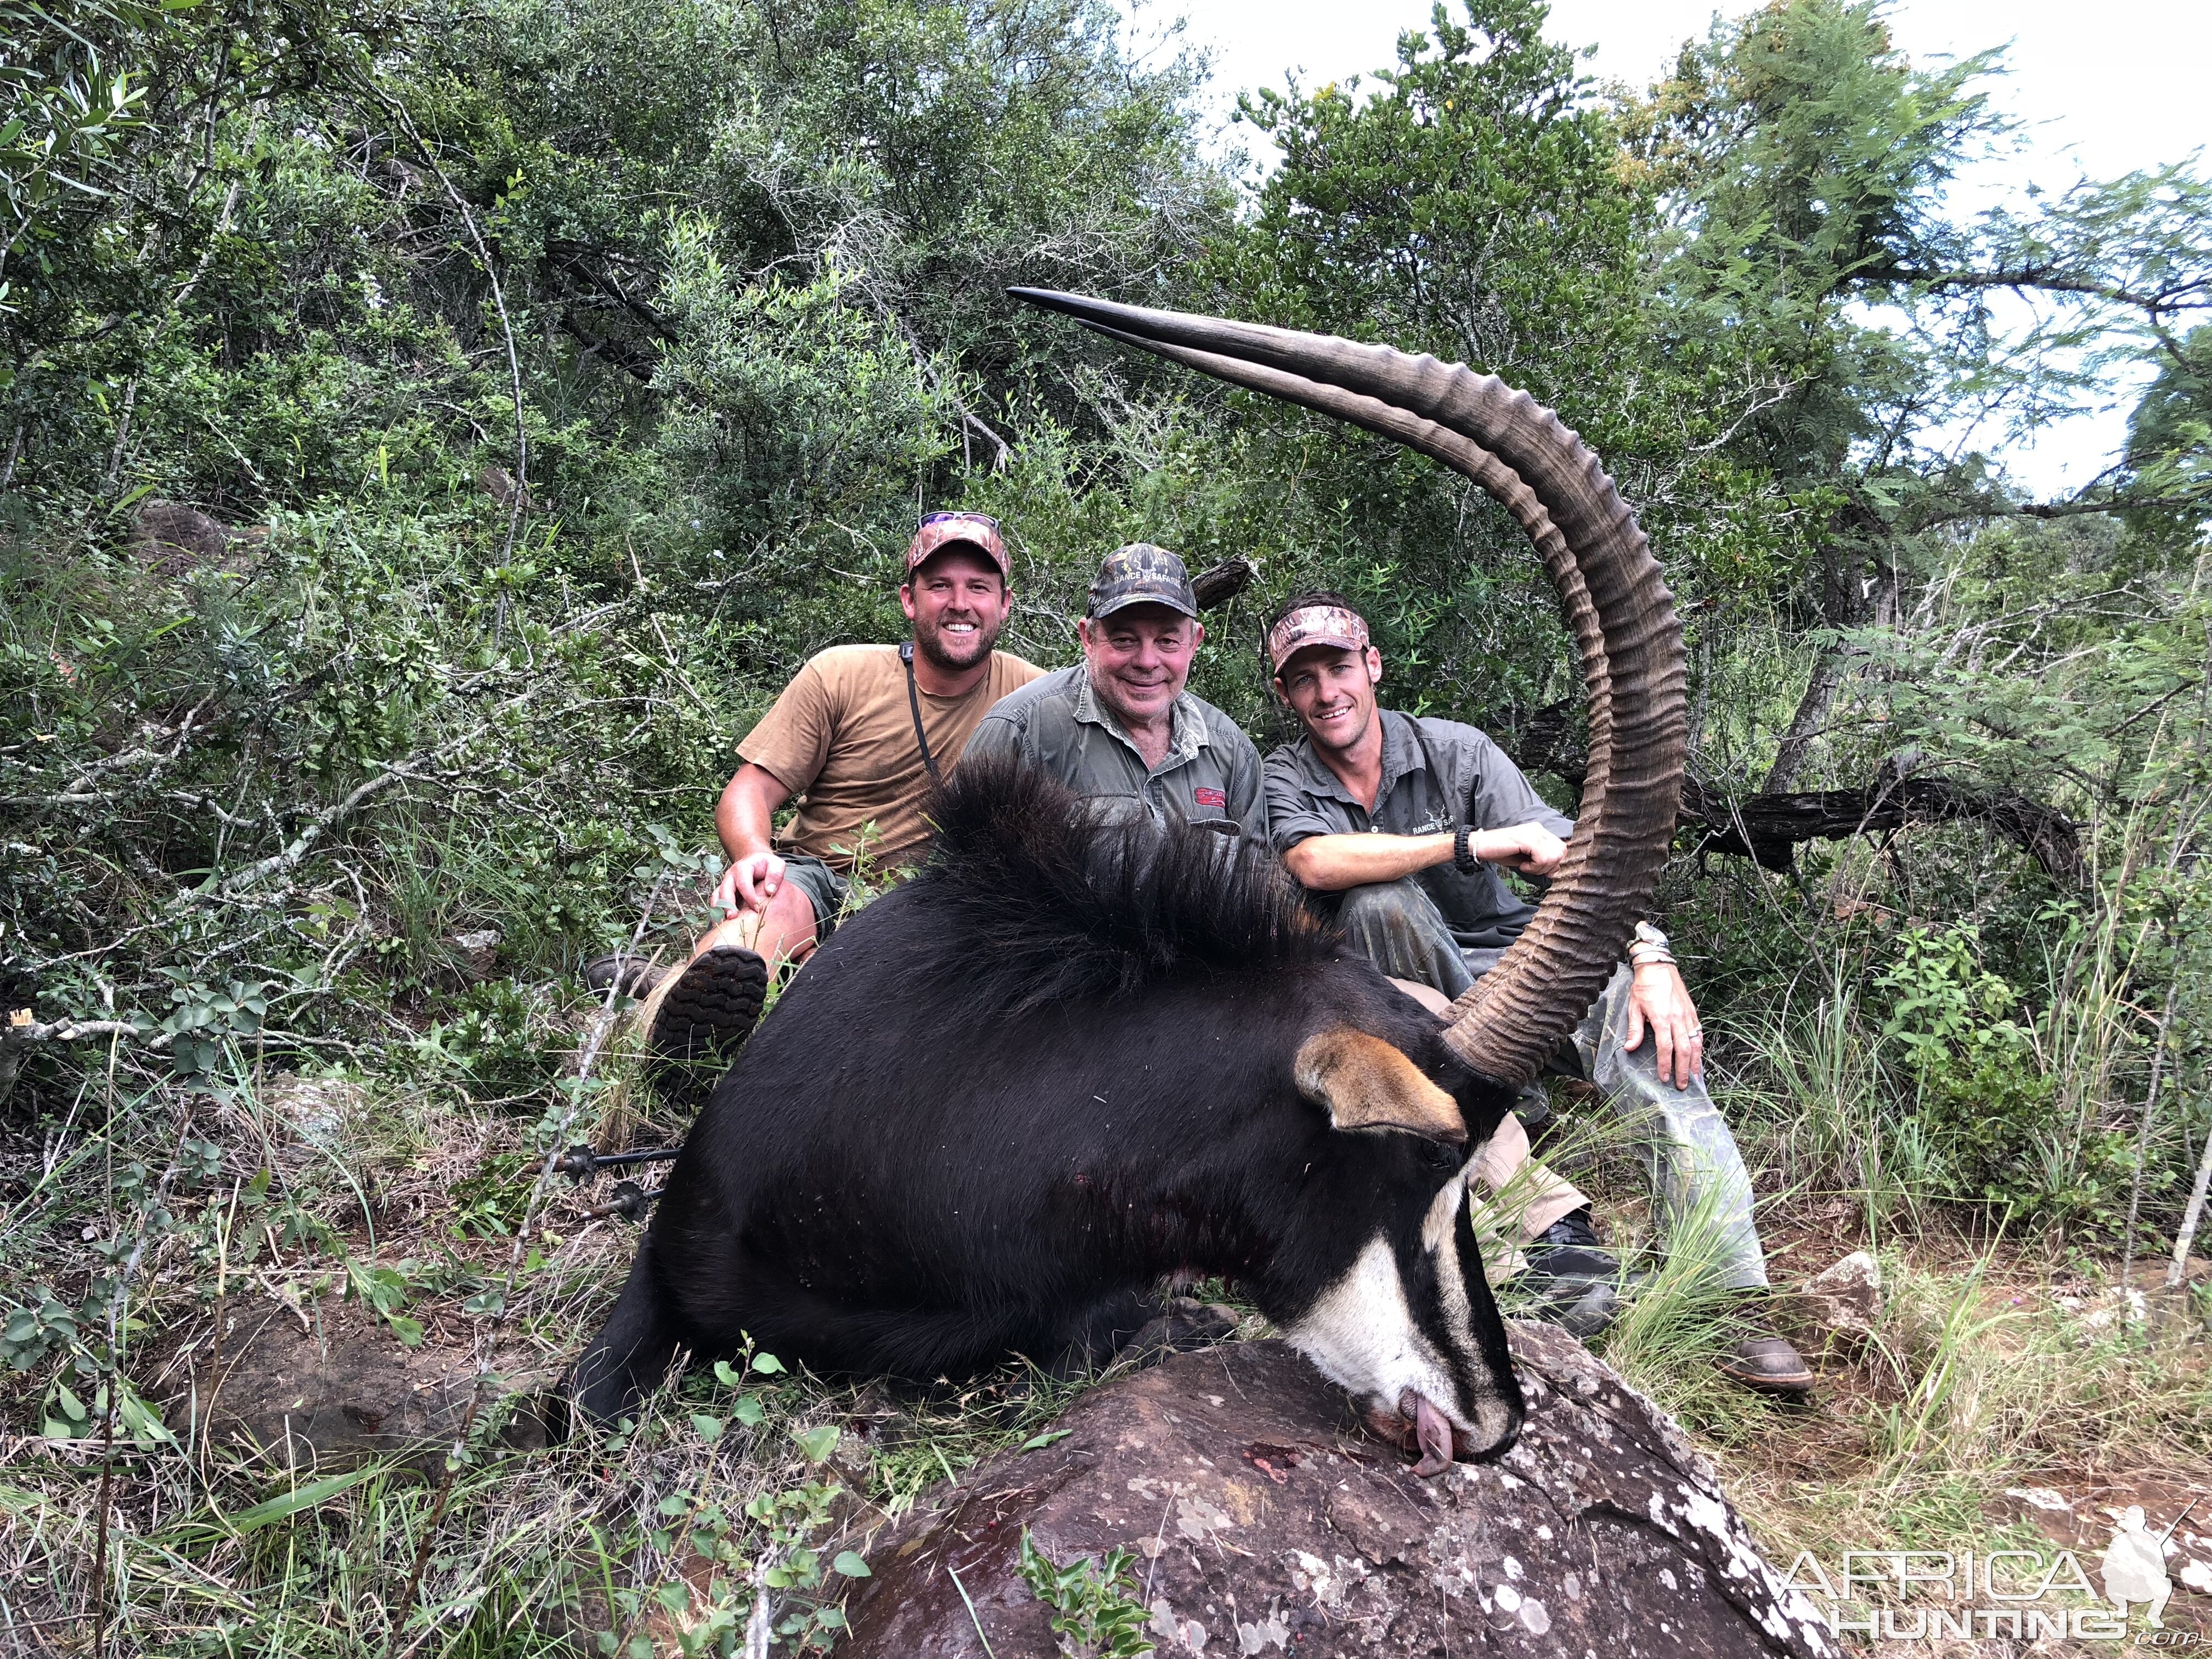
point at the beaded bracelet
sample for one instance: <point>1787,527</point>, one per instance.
<point>1648,947</point>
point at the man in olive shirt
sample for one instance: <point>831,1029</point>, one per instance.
<point>1410,820</point>
<point>1119,727</point>
<point>856,737</point>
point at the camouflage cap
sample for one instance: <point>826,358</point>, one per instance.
<point>940,531</point>
<point>1335,625</point>
<point>1141,573</point>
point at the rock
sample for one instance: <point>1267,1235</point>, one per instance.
<point>496,482</point>
<point>479,951</point>
<point>1847,1297</point>
<point>174,539</point>
<point>315,1109</point>
<point>2126,1305</point>
<point>330,1383</point>
<point>1261,1520</point>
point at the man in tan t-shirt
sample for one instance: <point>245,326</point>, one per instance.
<point>843,738</point>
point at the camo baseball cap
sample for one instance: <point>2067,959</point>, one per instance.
<point>940,529</point>
<point>1141,573</point>
<point>1335,625</point>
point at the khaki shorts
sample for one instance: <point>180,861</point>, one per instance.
<point>824,888</point>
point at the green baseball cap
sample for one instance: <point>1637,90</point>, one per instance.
<point>1141,573</point>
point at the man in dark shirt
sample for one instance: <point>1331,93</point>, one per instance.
<point>1410,819</point>
<point>1119,727</point>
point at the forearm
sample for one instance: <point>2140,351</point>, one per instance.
<point>745,817</point>
<point>1329,863</point>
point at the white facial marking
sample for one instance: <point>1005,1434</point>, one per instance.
<point>1436,1225</point>
<point>1441,1236</point>
<point>1360,1334</point>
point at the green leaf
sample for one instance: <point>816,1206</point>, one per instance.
<point>817,1443</point>
<point>301,1497</point>
<point>767,1362</point>
<point>748,1410</point>
<point>1038,1441</point>
<point>409,1331</point>
<point>140,1420</point>
<point>725,1376</point>
<point>851,1565</point>
<point>709,1429</point>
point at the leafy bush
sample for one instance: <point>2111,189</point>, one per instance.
<point>1095,1612</point>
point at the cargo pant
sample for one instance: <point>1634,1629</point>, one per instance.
<point>1688,1152</point>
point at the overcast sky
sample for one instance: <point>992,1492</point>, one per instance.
<point>2100,88</point>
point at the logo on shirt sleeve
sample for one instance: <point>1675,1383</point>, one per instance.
<point>1209,797</point>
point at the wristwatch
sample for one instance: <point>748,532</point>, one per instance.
<point>1463,858</point>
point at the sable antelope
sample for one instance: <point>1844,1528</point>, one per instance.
<point>1072,1058</point>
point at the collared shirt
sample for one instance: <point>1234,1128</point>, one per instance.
<point>1305,798</point>
<point>1211,769</point>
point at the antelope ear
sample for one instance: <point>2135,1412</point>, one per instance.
<point>1364,1083</point>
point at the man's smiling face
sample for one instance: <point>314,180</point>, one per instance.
<point>1332,691</point>
<point>1139,658</point>
<point>957,601</point>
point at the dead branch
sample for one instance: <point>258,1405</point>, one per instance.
<point>1767,827</point>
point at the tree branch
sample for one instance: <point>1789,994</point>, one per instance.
<point>1990,506</point>
<point>1766,828</point>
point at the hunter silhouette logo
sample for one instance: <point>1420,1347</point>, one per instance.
<point>2135,1567</point>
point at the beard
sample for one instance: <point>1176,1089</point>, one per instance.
<point>956,651</point>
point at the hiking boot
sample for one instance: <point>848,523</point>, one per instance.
<point>1768,1365</point>
<point>703,1019</point>
<point>1576,1278</point>
<point>630,976</point>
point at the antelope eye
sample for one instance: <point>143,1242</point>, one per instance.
<point>1439,1156</point>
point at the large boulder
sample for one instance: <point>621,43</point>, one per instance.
<point>1261,1519</point>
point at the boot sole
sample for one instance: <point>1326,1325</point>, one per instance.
<point>704,1021</point>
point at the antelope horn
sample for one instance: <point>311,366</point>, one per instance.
<point>1516,1016</point>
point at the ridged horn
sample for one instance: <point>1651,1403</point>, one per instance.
<point>1516,1017</point>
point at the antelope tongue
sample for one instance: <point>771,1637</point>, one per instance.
<point>1433,1430</point>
